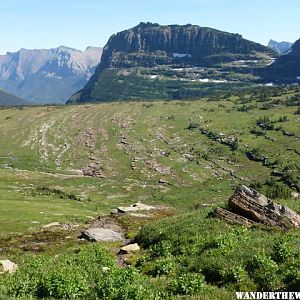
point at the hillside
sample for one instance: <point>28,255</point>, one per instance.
<point>151,61</point>
<point>65,168</point>
<point>11,100</point>
<point>286,69</point>
<point>47,75</point>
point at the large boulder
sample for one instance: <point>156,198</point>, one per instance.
<point>248,207</point>
<point>102,235</point>
<point>251,204</point>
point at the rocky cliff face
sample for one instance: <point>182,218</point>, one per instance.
<point>151,45</point>
<point>286,69</point>
<point>280,47</point>
<point>47,75</point>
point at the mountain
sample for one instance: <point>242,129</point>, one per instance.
<point>280,47</point>
<point>135,61</point>
<point>47,76</point>
<point>286,69</point>
<point>11,100</point>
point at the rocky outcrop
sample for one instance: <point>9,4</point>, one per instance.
<point>249,207</point>
<point>190,42</point>
<point>232,218</point>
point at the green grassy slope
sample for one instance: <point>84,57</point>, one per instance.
<point>70,164</point>
<point>132,147</point>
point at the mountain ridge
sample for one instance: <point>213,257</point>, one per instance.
<point>150,45</point>
<point>47,75</point>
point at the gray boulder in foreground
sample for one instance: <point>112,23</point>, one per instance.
<point>247,206</point>
<point>102,235</point>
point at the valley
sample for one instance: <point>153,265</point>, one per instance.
<point>163,166</point>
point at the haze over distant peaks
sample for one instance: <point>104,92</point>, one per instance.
<point>280,47</point>
<point>11,100</point>
<point>47,75</point>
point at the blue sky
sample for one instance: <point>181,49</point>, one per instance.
<point>80,23</point>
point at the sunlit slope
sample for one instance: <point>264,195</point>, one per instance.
<point>172,153</point>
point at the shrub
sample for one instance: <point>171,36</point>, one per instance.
<point>67,276</point>
<point>187,284</point>
<point>233,275</point>
<point>162,249</point>
<point>277,191</point>
<point>124,284</point>
<point>193,125</point>
<point>164,266</point>
<point>263,270</point>
<point>281,250</point>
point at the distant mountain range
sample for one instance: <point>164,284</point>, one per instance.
<point>11,100</point>
<point>286,69</point>
<point>280,47</point>
<point>47,76</point>
<point>151,61</point>
<point>148,61</point>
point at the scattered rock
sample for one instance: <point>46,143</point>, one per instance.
<point>51,225</point>
<point>102,235</point>
<point>105,269</point>
<point>203,205</point>
<point>140,215</point>
<point>135,207</point>
<point>163,181</point>
<point>69,226</point>
<point>8,266</point>
<point>130,248</point>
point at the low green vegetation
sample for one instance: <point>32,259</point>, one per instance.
<point>189,255</point>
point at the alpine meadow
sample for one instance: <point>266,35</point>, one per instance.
<point>165,165</point>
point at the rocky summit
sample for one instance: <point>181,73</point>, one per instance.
<point>280,47</point>
<point>47,75</point>
<point>135,61</point>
